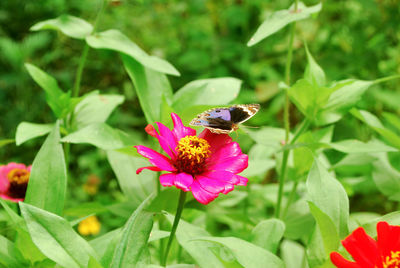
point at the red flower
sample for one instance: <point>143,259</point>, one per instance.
<point>14,179</point>
<point>206,165</point>
<point>368,253</point>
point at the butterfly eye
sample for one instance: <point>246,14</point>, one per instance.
<point>217,111</point>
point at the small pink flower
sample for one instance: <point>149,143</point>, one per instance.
<point>14,179</point>
<point>205,165</point>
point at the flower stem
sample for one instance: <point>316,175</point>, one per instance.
<point>286,115</point>
<point>282,178</point>
<point>181,202</point>
<point>388,78</point>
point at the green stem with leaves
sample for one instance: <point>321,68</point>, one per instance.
<point>181,203</point>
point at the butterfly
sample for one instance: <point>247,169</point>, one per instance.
<point>227,119</point>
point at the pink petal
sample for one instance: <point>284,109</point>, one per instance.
<point>242,180</point>
<point>183,181</point>
<point>202,195</point>
<point>215,140</point>
<point>228,150</point>
<point>167,140</point>
<point>168,179</point>
<point>210,185</point>
<point>227,178</point>
<point>149,168</point>
<point>155,158</point>
<point>180,130</point>
<point>233,164</point>
<point>6,197</point>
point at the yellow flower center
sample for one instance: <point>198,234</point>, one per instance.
<point>392,261</point>
<point>18,179</point>
<point>192,154</point>
<point>18,176</point>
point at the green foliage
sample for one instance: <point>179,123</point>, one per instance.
<point>342,146</point>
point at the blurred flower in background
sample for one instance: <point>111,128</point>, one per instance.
<point>89,226</point>
<point>92,184</point>
<point>14,179</point>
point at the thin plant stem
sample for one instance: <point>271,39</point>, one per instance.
<point>291,197</point>
<point>385,79</point>
<point>181,202</point>
<point>286,115</point>
<point>285,157</point>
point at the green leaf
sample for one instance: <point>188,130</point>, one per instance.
<point>268,233</point>
<point>393,119</point>
<point>327,228</point>
<point>269,136</point>
<point>5,142</point>
<point>345,94</point>
<point>27,131</point>
<point>314,73</point>
<point>95,108</point>
<point>117,41</point>
<point>69,25</point>
<point>55,237</point>
<point>100,135</point>
<point>101,243</point>
<point>279,19</point>
<point>329,196</point>
<point>356,146</point>
<point>8,254</point>
<point>386,178</point>
<point>48,180</point>
<point>308,98</point>
<point>60,102</point>
<point>151,87</point>
<point>134,238</point>
<point>247,254</point>
<point>135,187</point>
<point>223,90</point>
<point>200,251</point>
<point>373,122</point>
<point>292,253</point>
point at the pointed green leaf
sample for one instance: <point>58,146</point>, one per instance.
<point>329,196</point>
<point>134,238</point>
<point>279,19</point>
<point>327,228</point>
<point>69,25</point>
<point>268,233</point>
<point>292,253</point>
<point>117,41</point>
<point>223,90</point>
<point>59,101</point>
<point>151,87</point>
<point>27,131</point>
<point>100,135</point>
<point>314,73</point>
<point>48,180</point>
<point>55,237</point>
<point>247,254</point>
<point>356,146</point>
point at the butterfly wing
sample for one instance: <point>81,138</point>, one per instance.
<point>217,120</point>
<point>243,112</point>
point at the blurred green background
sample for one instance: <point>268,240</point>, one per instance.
<point>202,39</point>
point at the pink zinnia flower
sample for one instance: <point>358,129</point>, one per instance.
<point>205,165</point>
<point>14,179</point>
<point>369,253</point>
